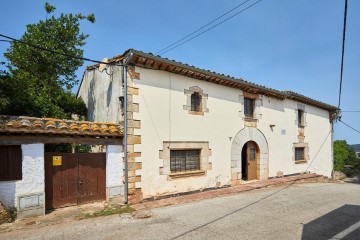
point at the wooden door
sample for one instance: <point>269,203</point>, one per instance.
<point>60,179</point>
<point>92,177</point>
<point>251,156</point>
<point>74,178</point>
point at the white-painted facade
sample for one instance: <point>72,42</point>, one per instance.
<point>162,111</point>
<point>163,118</point>
<point>28,194</point>
<point>114,173</point>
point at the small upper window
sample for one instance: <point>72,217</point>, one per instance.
<point>10,163</point>
<point>299,153</point>
<point>196,102</point>
<point>301,118</point>
<point>249,107</point>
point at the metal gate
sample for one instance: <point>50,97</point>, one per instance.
<point>74,178</point>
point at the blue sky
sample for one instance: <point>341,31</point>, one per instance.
<point>286,45</point>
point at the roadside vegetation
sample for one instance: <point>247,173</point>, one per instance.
<point>110,210</point>
<point>345,158</point>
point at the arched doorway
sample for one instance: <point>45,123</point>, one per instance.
<point>250,161</point>
<point>245,135</point>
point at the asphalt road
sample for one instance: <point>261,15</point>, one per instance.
<point>304,211</point>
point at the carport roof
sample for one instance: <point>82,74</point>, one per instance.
<point>53,130</point>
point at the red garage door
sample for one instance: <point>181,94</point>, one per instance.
<point>74,178</point>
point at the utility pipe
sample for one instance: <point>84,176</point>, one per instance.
<point>126,187</point>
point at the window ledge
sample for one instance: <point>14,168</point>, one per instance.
<point>187,174</point>
<point>196,113</point>
<point>250,119</point>
<point>300,161</point>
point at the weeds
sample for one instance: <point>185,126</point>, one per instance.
<point>110,210</point>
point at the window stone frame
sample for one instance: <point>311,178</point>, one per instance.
<point>258,102</point>
<point>204,97</point>
<point>300,107</point>
<point>306,152</point>
<point>205,154</point>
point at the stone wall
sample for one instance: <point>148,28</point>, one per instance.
<point>134,124</point>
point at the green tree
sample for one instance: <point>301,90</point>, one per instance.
<point>38,83</point>
<point>345,155</point>
<point>340,154</point>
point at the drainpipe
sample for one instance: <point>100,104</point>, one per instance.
<point>126,187</point>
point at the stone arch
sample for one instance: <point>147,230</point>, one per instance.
<point>243,136</point>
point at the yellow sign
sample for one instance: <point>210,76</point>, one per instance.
<point>57,160</point>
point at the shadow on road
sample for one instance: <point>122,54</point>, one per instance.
<point>342,223</point>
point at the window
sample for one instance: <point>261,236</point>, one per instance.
<point>299,153</point>
<point>252,154</point>
<point>249,107</point>
<point>196,102</point>
<point>184,160</point>
<point>10,163</point>
<point>301,118</point>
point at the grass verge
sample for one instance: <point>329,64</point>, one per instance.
<point>110,210</point>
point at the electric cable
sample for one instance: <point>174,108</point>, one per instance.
<point>202,27</point>
<point>343,52</point>
<point>55,52</point>
<point>208,29</point>
<point>349,126</point>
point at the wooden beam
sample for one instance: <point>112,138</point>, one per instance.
<point>32,139</point>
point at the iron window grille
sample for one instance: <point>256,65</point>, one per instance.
<point>299,153</point>
<point>196,102</point>
<point>249,107</point>
<point>252,154</point>
<point>184,160</point>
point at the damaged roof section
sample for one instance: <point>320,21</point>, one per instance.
<point>150,61</point>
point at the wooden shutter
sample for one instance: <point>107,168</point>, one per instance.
<point>10,163</point>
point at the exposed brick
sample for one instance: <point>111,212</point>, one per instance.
<point>134,166</point>
<point>135,195</point>
<point>134,107</point>
<point>135,154</point>
<point>131,173</point>
<point>135,179</point>
<point>134,123</point>
<point>129,115</point>
<point>133,91</point>
<point>134,139</point>
<point>133,74</point>
<point>130,131</point>
<point>130,148</point>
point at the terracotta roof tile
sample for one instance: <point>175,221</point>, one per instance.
<point>30,125</point>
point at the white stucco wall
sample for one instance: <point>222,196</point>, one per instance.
<point>7,193</point>
<point>163,118</point>
<point>33,176</point>
<point>114,165</point>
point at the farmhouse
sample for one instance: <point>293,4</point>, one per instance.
<point>190,129</point>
